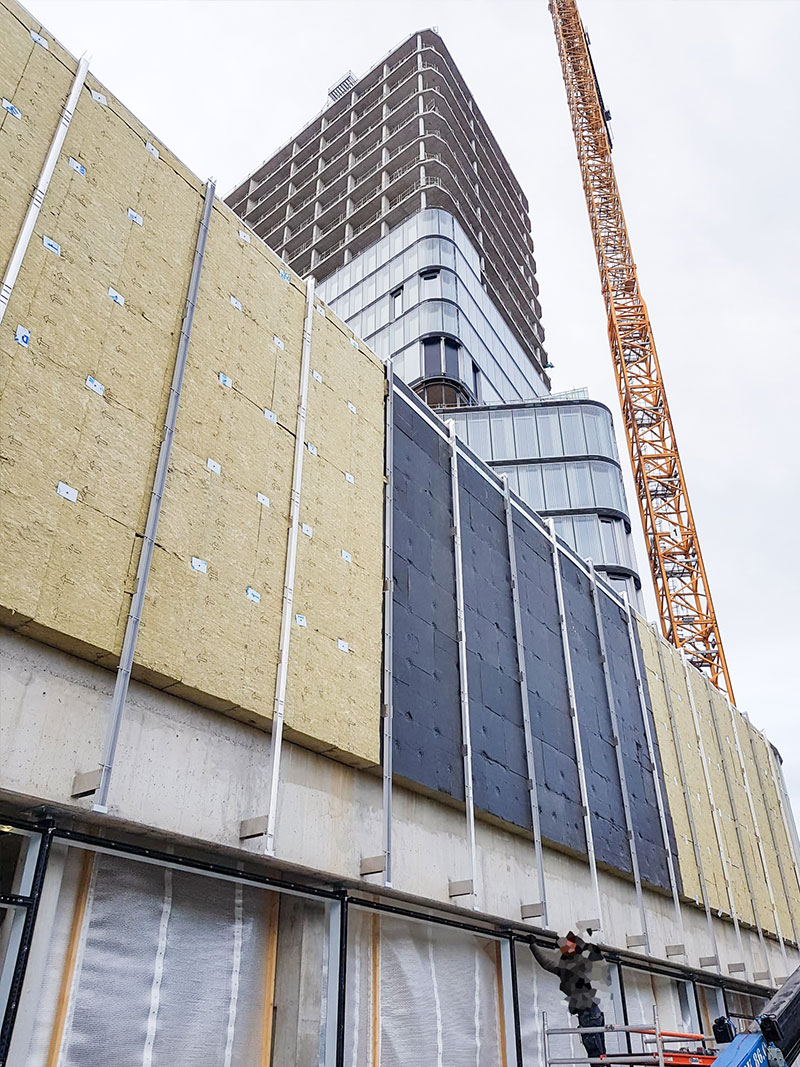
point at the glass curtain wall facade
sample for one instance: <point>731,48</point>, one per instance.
<point>415,296</point>
<point>399,201</point>
<point>561,458</point>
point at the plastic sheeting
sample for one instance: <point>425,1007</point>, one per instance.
<point>171,971</point>
<point>438,998</point>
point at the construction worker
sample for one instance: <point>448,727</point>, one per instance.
<point>574,970</point>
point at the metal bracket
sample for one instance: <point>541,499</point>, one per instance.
<point>256,827</point>
<point>85,784</point>
<point>460,889</point>
<point>532,911</point>
<point>373,865</point>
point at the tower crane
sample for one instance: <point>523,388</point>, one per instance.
<point>684,601</point>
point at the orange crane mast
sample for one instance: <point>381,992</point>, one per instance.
<point>687,613</point>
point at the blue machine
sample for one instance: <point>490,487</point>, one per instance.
<point>776,1042</point>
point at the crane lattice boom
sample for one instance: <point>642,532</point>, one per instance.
<point>684,599</point>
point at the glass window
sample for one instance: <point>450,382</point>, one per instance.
<point>530,486</point>
<point>607,485</point>
<point>572,432</point>
<point>451,358</point>
<point>432,348</point>
<point>525,431</point>
<point>549,432</point>
<point>556,495</point>
<point>580,485</point>
<point>511,474</point>
<point>608,532</point>
<point>587,538</point>
<point>502,435</point>
<point>397,303</point>
<point>564,530</point>
<point>597,425</point>
<point>479,435</point>
<point>476,381</point>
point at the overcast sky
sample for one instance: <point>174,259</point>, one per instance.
<point>705,102</point>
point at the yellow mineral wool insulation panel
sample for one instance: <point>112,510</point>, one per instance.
<point>695,776</point>
<point>84,400</point>
<point>36,82</point>
<point>761,913</point>
<point>334,669</point>
<point>85,403</point>
<point>676,800</point>
<point>771,822</point>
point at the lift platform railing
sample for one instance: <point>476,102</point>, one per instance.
<point>651,1035</point>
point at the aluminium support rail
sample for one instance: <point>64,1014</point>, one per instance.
<point>597,920</point>
<point>651,755</point>
<point>530,910</point>
<point>687,796</point>
<point>615,738</point>
<point>714,810</point>
<point>465,887</point>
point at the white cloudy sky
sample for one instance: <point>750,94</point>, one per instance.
<point>705,98</point>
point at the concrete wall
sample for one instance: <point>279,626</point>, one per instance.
<point>187,775</point>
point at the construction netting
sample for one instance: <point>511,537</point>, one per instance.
<point>422,995</point>
<point>148,965</point>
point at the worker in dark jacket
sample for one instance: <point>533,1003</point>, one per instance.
<point>574,970</point>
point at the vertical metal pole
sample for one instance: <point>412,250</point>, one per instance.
<point>525,700</point>
<point>282,676</point>
<point>336,992</point>
<point>466,740</point>
<point>515,995</point>
<point>714,813</point>
<point>651,755</point>
<point>659,1038</point>
<point>388,627</point>
<point>698,858</point>
<point>151,527</point>
<point>42,185</point>
<point>545,1041</point>
<point>23,954</point>
<point>615,738</point>
<point>737,826</point>
<point>576,727</point>
<point>510,1015</point>
<point>775,849</point>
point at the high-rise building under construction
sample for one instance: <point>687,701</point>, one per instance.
<point>309,721</point>
<point>399,201</point>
